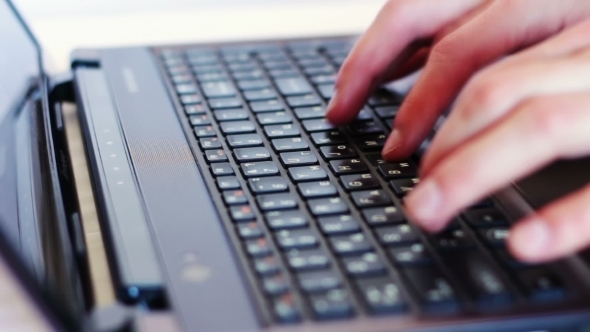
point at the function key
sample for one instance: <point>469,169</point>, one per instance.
<point>242,213</point>
<point>263,168</point>
<point>307,173</point>
<point>382,295</point>
<point>327,206</point>
<point>485,218</point>
<point>316,125</point>
<point>342,151</point>
<point>274,118</point>
<point>289,144</point>
<point>316,112</point>
<point>293,86</point>
<point>413,255</point>
<point>251,154</point>
<point>220,103</point>
<point>218,89</point>
<point>403,186</point>
<point>268,185</point>
<point>353,244</point>
<point>222,169</point>
<point>281,131</point>
<point>266,266</point>
<point>339,225</point>
<point>296,239</point>
<point>398,170</point>
<point>286,310</point>
<point>242,141</point>
<point>249,231</point>
<point>360,182</point>
<point>348,166</point>
<point>369,264</point>
<point>371,198</point>
<point>209,143</point>
<point>237,127</point>
<point>301,158</point>
<point>272,105</point>
<point>305,260</point>
<point>542,284</point>
<point>215,156</point>
<point>317,189</point>
<point>278,220</point>
<point>277,202</point>
<point>228,183</point>
<point>383,216</point>
<point>331,305</point>
<point>397,235</point>
<point>320,281</point>
<point>435,291</point>
<point>235,197</point>
<point>231,114</point>
<point>328,138</point>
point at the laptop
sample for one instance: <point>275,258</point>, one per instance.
<point>228,203</point>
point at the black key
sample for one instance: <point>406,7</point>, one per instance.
<point>372,142</point>
<point>302,158</point>
<point>483,204</point>
<point>253,85</point>
<point>267,106</point>
<point>326,90</point>
<point>258,95</point>
<point>199,120</point>
<point>289,144</point>
<point>454,239</point>
<point>222,169</point>
<point>273,118</point>
<point>237,127</point>
<point>396,235</point>
<point>228,182</point>
<point>182,79</point>
<point>317,189</point>
<point>542,284</point>
<point>348,166</point>
<point>496,236</point>
<point>218,89</point>
<point>365,128</point>
<point>190,99</point>
<point>242,67</point>
<point>364,115</point>
<point>414,255</point>
<point>209,143</point>
<point>194,109</point>
<point>268,185</point>
<point>375,159</point>
<point>435,292</point>
<point>293,86</point>
<point>281,131</point>
<point>360,182</point>
<point>485,218</point>
<point>327,206</point>
<point>323,79</point>
<point>296,239</point>
<point>248,75</point>
<point>283,73</point>
<point>275,285</point>
<point>220,103</point>
<point>258,248</point>
<point>278,220</point>
<point>320,281</point>
<point>387,111</point>
<point>382,295</point>
<point>331,305</point>
<point>339,225</point>
<point>369,264</point>
<point>204,131</point>
<point>301,260</point>
<point>243,141</point>
<point>279,65</point>
<point>251,154</point>
<point>285,309</point>
<point>383,216</point>
<point>315,125</point>
<point>242,213</point>
<point>235,197</point>
<point>178,70</point>
<point>325,70</point>
<point>250,231</point>
<point>328,138</point>
<point>211,77</point>
<point>398,170</point>
<point>231,114</point>
<point>185,89</point>
<point>337,152</point>
<point>215,156</point>
<point>205,69</point>
<point>403,186</point>
<point>478,277</point>
<point>507,259</point>
<point>384,98</point>
<point>262,168</point>
<point>201,59</point>
<point>267,266</point>
<point>371,198</point>
<point>307,173</point>
<point>313,62</point>
<point>353,244</point>
<point>316,112</point>
<point>303,101</point>
<point>277,202</point>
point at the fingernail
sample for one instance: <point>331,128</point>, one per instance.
<point>393,142</point>
<point>531,238</point>
<point>424,202</point>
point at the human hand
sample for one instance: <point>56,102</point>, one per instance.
<point>523,112</point>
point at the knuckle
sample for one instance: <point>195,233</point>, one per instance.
<point>541,117</point>
<point>482,93</point>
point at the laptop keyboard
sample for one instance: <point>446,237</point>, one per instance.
<point>318,213</point>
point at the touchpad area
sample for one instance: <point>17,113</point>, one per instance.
<point>556,180</point>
